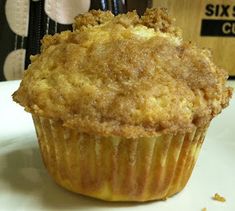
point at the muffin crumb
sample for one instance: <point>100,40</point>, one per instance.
<point>92,18</point>
<point>204,209</point>
<point>160,21</point>
<point>218,197</point>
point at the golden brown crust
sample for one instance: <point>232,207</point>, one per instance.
<point>124,76</point>
<point>92,18</point>
<point>160,21</point>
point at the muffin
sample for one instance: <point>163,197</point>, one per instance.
<point>121,105</point>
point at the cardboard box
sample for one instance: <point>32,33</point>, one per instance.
<point>209,23</point>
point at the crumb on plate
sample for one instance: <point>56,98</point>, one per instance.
<point>204,209</point>
<point>217,197</point>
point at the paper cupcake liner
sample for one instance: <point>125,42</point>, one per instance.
<point>115,168</point>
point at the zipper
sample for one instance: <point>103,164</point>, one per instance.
<point>35,32</point>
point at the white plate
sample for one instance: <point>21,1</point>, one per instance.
<point>25,184</point>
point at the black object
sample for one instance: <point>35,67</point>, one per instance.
<point>218,28</point>
<point>139,6</point>
<point>116,6</point>
<point>35,32</point>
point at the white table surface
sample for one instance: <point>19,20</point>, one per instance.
<point>25,184</point>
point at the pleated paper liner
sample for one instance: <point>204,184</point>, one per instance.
<point>115,168</point>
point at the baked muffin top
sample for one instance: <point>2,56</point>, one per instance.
<point>124,75</point>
